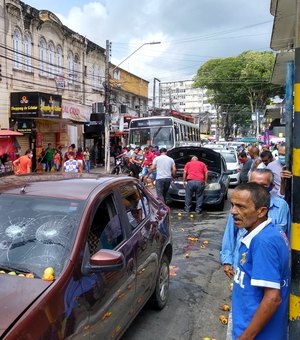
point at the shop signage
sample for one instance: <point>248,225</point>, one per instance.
<point>76,112</point>
<point>35,104</point>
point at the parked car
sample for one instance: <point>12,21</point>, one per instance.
<point>233,165</point>
<point>216,191</point>
<point>80,255</point>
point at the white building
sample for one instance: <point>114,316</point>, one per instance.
<point>183,97</point>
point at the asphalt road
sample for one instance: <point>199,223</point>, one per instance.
<point>198,286</point>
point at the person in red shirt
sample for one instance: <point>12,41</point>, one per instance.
<point>147,162</point>
<point>22,165</point>
<point>194,181</point>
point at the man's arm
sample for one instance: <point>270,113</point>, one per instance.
<point>184,178</point>
<point>228,246</point>
<point>268,306</point>
<point>174,171</point>
<point>152,168</point>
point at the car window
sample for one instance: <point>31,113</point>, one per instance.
<point>37,232</point>
<point>106,230</point>
<point>136,204</point>
<point>229,157</point>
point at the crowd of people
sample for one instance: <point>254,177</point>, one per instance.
<point>73,160</point>
<point>255,250</point>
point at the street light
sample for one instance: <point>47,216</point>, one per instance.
<point>147,43</point>
<point>107,99</point>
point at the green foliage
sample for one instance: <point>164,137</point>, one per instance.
<point>239,85</point>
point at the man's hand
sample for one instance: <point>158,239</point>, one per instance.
<point>184,184</point>
<point>228,270</point>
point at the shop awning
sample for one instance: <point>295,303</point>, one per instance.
<point>10,133</point>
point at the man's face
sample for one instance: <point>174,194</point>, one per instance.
<point>262,179</point>
<point>243,210</point>
<point>281,150</point>
<point>266,160</point>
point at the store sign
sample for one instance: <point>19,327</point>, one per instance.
<point>35,104</point>
<point>50,105</point>
<point>25,126</point>
<point>24,104</point>
<point>76,112</point>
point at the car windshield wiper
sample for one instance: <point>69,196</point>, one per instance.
<point>17,269</point>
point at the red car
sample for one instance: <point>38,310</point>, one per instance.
<point>80,255</point>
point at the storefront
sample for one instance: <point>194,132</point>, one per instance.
<point>78,115</point>
<point>38,116</point>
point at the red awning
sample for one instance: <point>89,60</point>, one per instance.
<point>10,133</point>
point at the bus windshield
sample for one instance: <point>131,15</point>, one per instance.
<point>161,136</point>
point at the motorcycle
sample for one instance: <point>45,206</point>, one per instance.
<point>120,167</point>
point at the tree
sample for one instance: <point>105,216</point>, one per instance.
<point>239,86</point>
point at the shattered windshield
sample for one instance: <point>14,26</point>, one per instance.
<point>36,233</point>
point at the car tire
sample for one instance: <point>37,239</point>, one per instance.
<point>161,293</point>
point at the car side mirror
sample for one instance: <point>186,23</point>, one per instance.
<point>106,260</point>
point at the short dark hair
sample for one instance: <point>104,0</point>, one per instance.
<point>259,194</point>
<point>243,154</point>
<point>267,154</point>
<point>163,150</point>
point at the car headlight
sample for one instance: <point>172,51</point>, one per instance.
<point>213,186</point>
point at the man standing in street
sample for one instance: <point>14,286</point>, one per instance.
<point>165,171</point>
<point>276,167</point>
<point>194,181</point>
<point>279,211</point>
<point>261,282</point>
<point>247,162</point>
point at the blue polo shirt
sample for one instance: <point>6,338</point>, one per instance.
<point>279,211</point>
<point>264,261</point>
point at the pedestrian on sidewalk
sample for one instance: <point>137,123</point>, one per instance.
<point>165,172</point>
<point>194,180</point>
<point>261,287</point>
<point>72,165</point>
<point>22,165</point>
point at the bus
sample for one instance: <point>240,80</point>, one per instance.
<point>164,132</point>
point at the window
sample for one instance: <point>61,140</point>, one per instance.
<point>71,68</point>
<point>17,47</point>
<point>51,60</point>
<point>43,57</point>
<point>76,68</point>
<point>59,57</point>
<point>99,76</point>
<point>27,52</point>
<point>94,76</point>
<point>136,204</point>
<point>106,230</point>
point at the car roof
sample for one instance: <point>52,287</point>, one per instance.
<point>62,185</point>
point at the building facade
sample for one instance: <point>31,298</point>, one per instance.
<point>51,76</point>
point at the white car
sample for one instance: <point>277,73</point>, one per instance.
<point>233,165</point>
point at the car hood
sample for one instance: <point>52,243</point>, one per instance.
<point>16,294</point>
<point>182,155</point>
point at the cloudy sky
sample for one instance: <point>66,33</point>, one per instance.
<point>190,31</point>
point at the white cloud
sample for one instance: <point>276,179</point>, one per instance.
<point>191,32</point>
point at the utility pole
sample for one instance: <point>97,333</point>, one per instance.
<point>107,111</point>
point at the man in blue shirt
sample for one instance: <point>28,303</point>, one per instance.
<point>262,277</point>
<point>279,212</point>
